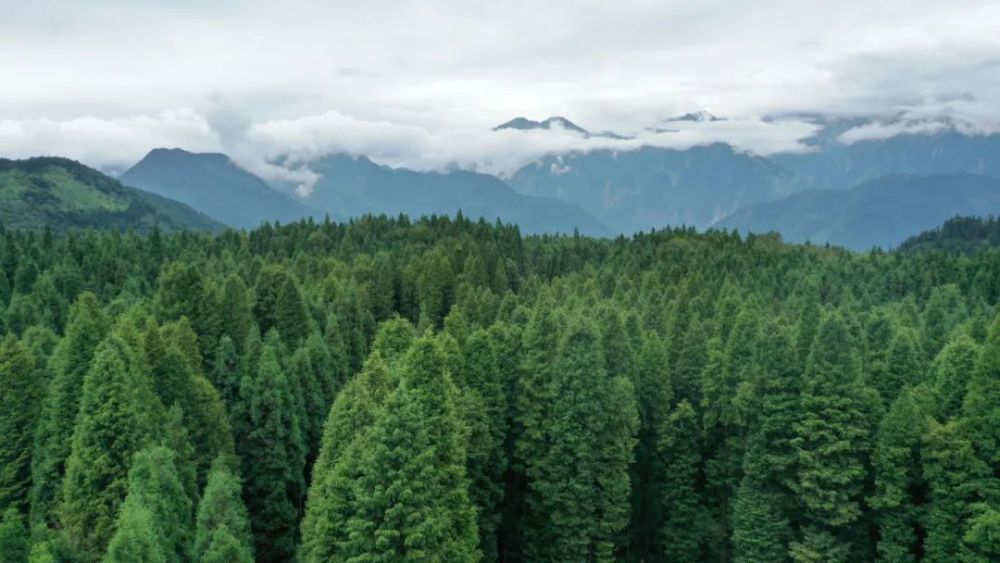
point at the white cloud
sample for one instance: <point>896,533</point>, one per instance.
<point>106,143</point>
<point>419,84</point>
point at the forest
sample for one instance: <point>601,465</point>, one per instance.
<point>448,390</point>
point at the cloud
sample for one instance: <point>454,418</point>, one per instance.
<point>112,143</point>
<point>417,84</point>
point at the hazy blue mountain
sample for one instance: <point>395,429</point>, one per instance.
<point>63,194</point>
<point>216,186</point>
<point>354,186</point>
<point>653,187</point>
<point>836,165</point>
<point>881,212</point>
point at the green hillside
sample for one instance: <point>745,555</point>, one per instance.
<point>64,194</point>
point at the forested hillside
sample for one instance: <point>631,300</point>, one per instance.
<point>447,390</point>
<point>958,234</point>
<point>59,193</point>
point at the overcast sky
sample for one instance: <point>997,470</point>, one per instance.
<point>420,84</point>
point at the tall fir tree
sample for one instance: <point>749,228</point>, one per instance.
<point>222,533</point>
<point>899,479</point>
<point>86,328</point>
<point>20,398</point>
<point>409,500</point>
<point>955,477</point>
<point>353,415</point>
<point>155,484</point>
<point>678,445</point>
<point>831,439</point>
<point>273,458</point>
<point>118,417</point>
<point>981,408</point>
<point>135,537</point>
<point>583,480</point>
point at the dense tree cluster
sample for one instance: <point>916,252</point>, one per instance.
<point>448,390</point>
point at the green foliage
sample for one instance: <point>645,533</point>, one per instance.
<point>154,484</point>
<point>223,527</point>
<point>70,361</point>
<point>118,417</point>
<point>273,456</point>
<point>20,397</point>
<point>668,397</point>
<point>13,537</point>
<point>135,537</point>
<point>678,447</point>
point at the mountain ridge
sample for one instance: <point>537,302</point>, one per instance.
<point>61,193</point>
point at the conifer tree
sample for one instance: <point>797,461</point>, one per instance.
<point>487,460</point>
<point>831,439</point>
<point>955,478</point>
<point>135,537</point>
<point>223,529</point>
<point>20,397</point>
<point>278,305</point>
<point>174,436</point>
<point>353,415</point>
<point>86,328</point>
<point>225,374</point>
<point>764,504</point>
<point>235,314</point>
<point>154,483</point>
<point>951,372</point>
<point>13,537</point>
<point>761,531</point>
<point>904,366</point>
<point>655,396</point>
<point>272,453</point>
<point>677,446</point>
<point>117,418</point>
<point>898,476</point>
<point>591,432</point>
<point>982,402</point>
<point>410,497</point>
<point>178,380</point>
<point>313,408</point>
<point>534,397</point>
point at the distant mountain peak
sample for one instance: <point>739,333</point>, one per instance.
<point>700,116</point>
<point>554,122</point>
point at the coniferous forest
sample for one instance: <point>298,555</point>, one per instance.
<point>446,390</point>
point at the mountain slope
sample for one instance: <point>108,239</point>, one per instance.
<point>881,212</point>
<point>356,186</point>
<point>652,187</point>
<point>837,165</point>
<point>64,194</point>
<point>214,185</point>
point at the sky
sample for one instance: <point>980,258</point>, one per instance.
<point>421,84</point>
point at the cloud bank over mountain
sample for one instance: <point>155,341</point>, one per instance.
<point>109,81</point>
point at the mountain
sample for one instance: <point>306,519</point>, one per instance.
<point>555,122</point>
<point>356,186</point>
<point>958,234</point>
<point>881,212</point>
<point>652,187</point>
<point>836,165</point>
<point>698,116</point>
<point>64,194</point>
<point>216,186</point>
